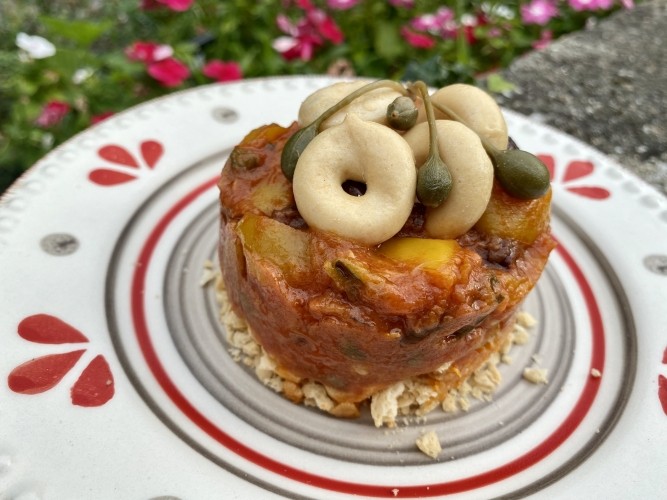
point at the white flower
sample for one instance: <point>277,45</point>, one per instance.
<point>36,46</point>
<point>81,75</point>
<point>163,52</point>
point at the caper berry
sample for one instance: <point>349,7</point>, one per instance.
<point>402,113</point>
<point>434,182</point>
<point>521,174</point>
<point>294,146</point>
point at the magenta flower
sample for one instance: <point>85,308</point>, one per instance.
<point>169,72</point>
<point>307,35</point>
<point>175,5</point>
<point>582,5</point>
<point>222,71</point>
<point>441,23</point>
<point>341,4</point>
<point>417,40</point>
<point>148,52</point>
<point>325,26</point>
<point>52,114</point>
<point>538,12</point>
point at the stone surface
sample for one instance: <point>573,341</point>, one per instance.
<point>607,86</point>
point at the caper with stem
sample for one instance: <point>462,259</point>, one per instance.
<point>300,140</point>
<point>520,173</point>
<point>402,113</point>
<point>434,181</point>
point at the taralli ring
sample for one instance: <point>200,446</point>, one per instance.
<point>369,107</point>
<point>472,175</point>
<point>477,109</point>
<point>359,151</point>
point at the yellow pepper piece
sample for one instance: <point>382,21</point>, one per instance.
<point>269,239</point>
<point>430,253</point>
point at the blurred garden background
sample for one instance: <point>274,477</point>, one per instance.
<point>68,64</point>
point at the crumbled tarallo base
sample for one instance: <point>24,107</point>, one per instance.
<point>412,397</point>
<point>535,375</point>
<point>429,444</point>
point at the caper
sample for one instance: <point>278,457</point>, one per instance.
<point>521,174</point>
<point>294,146</point>
<point>246,159</point>
<point>402,113</point>
<point>434,182</point>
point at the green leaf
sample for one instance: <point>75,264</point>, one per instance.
<point>496,84</point>
<point>83,33</point>
<point>387,43</point>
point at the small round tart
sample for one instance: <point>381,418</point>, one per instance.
<point>359,317</point>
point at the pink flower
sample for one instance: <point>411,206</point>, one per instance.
<point>148,52</point>
<point>341,4</point>
<point>581,5</point>
<point>404,4</point>
<point>325,26</point>
<point>308,34</point>
<point>545,39</point>
<point>169,72</point>
<point>222,71</point>
<point>52,114</point>
<point>297,48</point>
<point>539,12</point>
<point>627,4</point>
<point>441,23</point>
<point>175,5</point>
<point>101,117</point>
<point>417,40</point>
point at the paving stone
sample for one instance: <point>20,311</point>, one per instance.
<point>607,86</point>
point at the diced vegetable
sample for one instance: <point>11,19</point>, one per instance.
<point>426,252</point>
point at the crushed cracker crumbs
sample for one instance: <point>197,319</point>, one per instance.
<point>412,397</point>
<point>535,375</point>
<point>429,444</point>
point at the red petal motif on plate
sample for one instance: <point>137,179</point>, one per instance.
<point>578,169</point>
<point>151,152</point>
<point>95,386</point>
<point>46,329</point>
<point>41,374</point>
<point>118,155</point>
<point>596,193</point>
<point>664,356</point>
<point>105,177</point>
<point>548,161</point>
<point>662,392</point>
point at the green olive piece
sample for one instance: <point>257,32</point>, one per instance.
<point>434,182</point>
<point>294,146</point>
<point>521,174</point>
<point>402,113</point>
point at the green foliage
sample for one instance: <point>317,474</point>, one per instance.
<point>91,72</point>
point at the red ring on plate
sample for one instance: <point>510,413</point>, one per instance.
<point>517,465</point>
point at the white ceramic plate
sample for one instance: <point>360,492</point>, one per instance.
<point>115,381</point>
